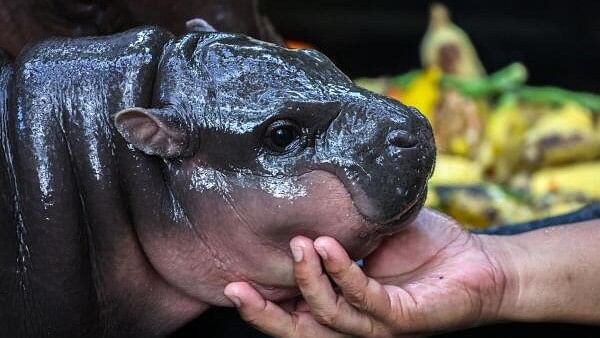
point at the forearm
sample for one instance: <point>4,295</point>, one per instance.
<point>552,274</point>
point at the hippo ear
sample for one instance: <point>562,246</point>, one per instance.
<point>150,132</point>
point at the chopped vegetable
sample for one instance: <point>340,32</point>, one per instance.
<point>504,80</point>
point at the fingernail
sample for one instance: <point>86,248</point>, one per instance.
<point>234,299</point>
<point>321,250</point>
<point>298,253</point>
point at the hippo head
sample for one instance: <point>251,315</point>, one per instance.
<point>258,144</point>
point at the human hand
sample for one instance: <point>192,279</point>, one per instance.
<point>433,276</point>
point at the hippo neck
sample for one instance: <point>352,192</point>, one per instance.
<point>150,211</point>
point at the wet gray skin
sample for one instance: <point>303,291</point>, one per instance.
<point>141,173</point>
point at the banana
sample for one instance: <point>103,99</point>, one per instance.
<point>582,178</point>
<point>504,134</point>
<point>562,136</point>
<point>451,171</point>
<point>483,205</point>
<point>448,47</point>
<point>455,170</point>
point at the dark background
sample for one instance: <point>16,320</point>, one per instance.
<point>558,41</point>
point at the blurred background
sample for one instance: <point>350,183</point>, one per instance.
<point>559,41</point>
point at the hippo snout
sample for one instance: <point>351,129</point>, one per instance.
<point>388,155</point>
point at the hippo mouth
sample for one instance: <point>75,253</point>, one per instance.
<point>409,213</point>
<point>364,206</point>
<point>372,230</point>
<point>377,231</point>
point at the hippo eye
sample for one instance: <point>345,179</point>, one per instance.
<point>280,134</point>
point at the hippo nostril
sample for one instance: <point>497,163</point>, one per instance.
<point>401,139</point>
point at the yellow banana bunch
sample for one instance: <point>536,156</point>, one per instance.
<point>504,133</point>
<point>507,152</point>
<point>562,136</point>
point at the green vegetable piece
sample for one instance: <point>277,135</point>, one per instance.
<point>506,79</point>
<point>559,96</point>
<point>403,80</point>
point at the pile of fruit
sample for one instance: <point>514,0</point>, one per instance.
<point>507,152</point>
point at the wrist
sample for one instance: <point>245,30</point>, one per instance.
<point>549,275</point>
<point>505,257</point>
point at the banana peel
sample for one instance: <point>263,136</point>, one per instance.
<point>448,47</point>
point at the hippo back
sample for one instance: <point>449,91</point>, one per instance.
<point>62,206</point>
